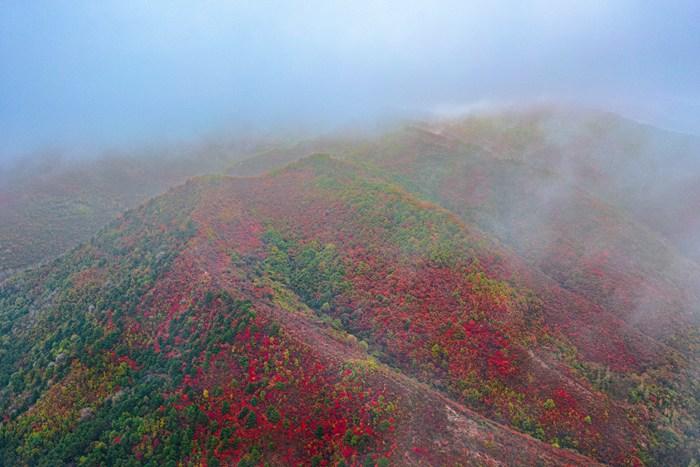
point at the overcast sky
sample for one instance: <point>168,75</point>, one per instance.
<point>111,72</point>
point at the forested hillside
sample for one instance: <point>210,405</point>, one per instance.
<point>443,294</point>
<point>51,203</point>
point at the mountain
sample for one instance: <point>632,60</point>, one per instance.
<point>651,174</point>
<point>419,298</point>
<point>50,204</point>
<point>585,243</point>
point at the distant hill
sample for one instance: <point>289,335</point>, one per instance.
<point>49,204</point>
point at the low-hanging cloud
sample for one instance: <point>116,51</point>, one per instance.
<point>104,73</point>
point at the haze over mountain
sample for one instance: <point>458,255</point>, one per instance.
<point>93,74</point>
<point>349,234</point>
<point>491,270</point>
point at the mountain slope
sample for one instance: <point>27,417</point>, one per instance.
<point>651,174</point>
<point>140,334</point>
<point>445,293</point>
<point>230,321</point>
<point>585,244</point>
<point>49,205</point>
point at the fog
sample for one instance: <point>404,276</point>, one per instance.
<point>88,75</point>
<point>502,202</point>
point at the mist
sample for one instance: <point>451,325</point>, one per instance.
<point>90,75</point>
<point>350,232</point>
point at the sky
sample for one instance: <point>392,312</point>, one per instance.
<point>77,73</point>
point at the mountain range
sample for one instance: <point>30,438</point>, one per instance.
<point>510,288</point>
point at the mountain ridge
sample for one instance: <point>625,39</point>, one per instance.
<point>346,310</point>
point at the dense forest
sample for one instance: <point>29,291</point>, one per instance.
<point>387,304</point>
